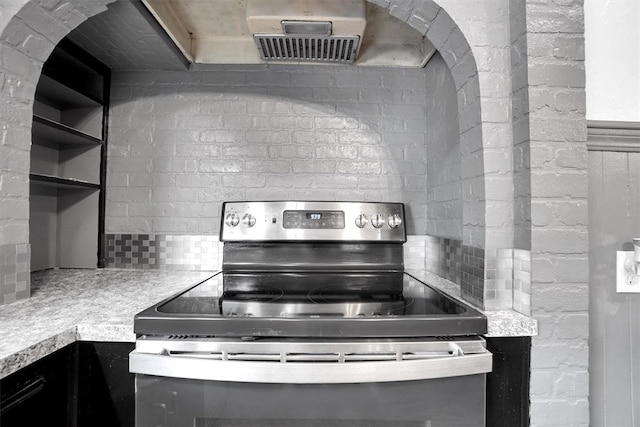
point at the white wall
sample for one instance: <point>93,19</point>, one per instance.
<point>612,49</point>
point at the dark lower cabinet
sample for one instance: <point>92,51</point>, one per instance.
<point>83,384</point>
<point>89,384</point>
<point>105,388</point>
<point>39,394</point>
<point>508,383</point>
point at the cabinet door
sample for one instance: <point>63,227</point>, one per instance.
<point>38,395</point>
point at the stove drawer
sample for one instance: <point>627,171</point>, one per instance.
<point>443,402</point>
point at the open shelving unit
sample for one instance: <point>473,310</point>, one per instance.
<point>68,161</point>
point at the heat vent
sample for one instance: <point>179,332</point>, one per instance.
<point>338,49</point>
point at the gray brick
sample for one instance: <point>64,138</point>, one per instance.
<point>378,182</point>
<point>266,194</point>
<point>197,150</point>
<point>246,180</point>
<point>378,152</point>
<point>197,180</point>
<point>405,111</point>
<point>221,136</point>
<point>125,194</point>
<point>546,20</point>
<point>175,225</point>
<point>385,95</point>
<point>356,80</point>
<point>358,109</point>
<point>236,122</point>
<point>336,152</point>
<point>335,181</point>
<point>267,166</point>
<point>415,182</point>
<point>292,93</point>
<point>140,179</point>
<point>569,47</point>
<point>359,168</point>
<point>14,208</point>
<point>403,167</point>
<point>224,166</point>
<point>363,137</point>
<point>335,123</point>
<point>313,166</point>
<point>13,185</point>
<point>223,78</point>
<point>22,37</point>
<point>557,74</point>
<point>163,179</point>
<point>314,79</point>
<point>218,194</point>
<point>167,164</point>
<point>172,194</point>
<point>246,151</point>
<point>335,94</point>
<point>282,122</point>
<point>268,79</point>
<point>313,109</point>
<point>118,164</point>
<point>270,107</point>
<point>268,137</point>
<point>285,181</point>
<point>291,152</point>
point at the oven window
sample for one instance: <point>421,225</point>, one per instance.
<point>444,402</point>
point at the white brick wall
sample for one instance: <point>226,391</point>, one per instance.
<point>179,140</point>
<point>559,236</point>
<point>444,184</point>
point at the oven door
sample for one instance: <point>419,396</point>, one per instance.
<point>266,383</point>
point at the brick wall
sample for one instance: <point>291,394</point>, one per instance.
<point>182,142</point>
<point>559,237</point>
<point>444,184</point>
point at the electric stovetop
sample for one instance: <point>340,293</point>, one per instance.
<point>335,304</point>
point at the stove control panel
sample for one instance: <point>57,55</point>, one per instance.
<point>313,221</point>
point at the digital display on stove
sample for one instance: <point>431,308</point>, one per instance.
<point>313,219</point>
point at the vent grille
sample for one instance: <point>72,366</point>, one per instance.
<point>277,47</point>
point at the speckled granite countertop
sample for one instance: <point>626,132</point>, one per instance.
<point>99,305</point>
<point>503,323</point>
<point>87,305</point>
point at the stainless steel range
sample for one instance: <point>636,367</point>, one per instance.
<point>311,322</point>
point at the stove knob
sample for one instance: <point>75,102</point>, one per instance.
<point>232,220</point>
<point>395,221</point>
<point>361,220</point>
<point>377,221</point>
<point>249,220</point>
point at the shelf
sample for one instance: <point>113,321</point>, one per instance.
<point>68,161</point>
<point>54,93</point>
<point>50,132</point>
<point>61,183</point>
<point>74,68</point>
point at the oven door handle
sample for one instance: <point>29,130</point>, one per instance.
<point>200,368</point>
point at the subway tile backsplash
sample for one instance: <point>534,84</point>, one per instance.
<point>15,280</point>
<point>493,279</point>
<point>163,252</point>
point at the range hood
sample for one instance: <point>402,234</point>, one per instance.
<point>303,30</point>
<point>289,31</point>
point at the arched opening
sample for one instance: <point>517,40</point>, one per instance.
<point>465,225</point>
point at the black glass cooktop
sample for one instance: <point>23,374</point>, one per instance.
<point>311,304</point>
